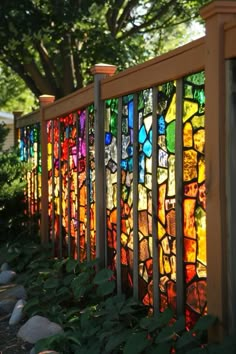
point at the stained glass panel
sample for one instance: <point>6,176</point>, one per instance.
<point>166,219</point>
<point>127,246</point>
<point>111,116</point>
<point>145,196</point>
<point>194,200</point>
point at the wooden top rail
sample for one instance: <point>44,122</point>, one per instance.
<point>71,103</point>
<point>182,61</point>
<point>28,119</point>
<point>230,35</point>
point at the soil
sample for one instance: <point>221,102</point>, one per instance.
<point>9,343</point>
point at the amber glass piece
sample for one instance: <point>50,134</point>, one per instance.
<point>190,165</point>
<point>201,170</point>
<point>189,220</point>
<point>171,223</point>
<point>143,222</point>
<point>199,140</point>
<point>163,302</point>
<point>191,189</point>
<point>202,195</point>
<point>196,296</point>
<point>161,203</point>
<point>143,250</point>
<point>188,135</point>
<point>171,293</point>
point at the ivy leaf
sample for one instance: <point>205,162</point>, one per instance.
<point>204,323</point>
<point>136,343</point>
<point>51,283</point>
<point>106,288</point>
<point>102,276</point>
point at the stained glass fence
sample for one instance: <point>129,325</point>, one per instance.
<point>126,172</point>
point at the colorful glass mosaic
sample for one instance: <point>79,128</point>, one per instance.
<point>166,218</point>
<point>111,116</point>
<point>145,196</point>
<point>67,184</point>
<point>127,246</point>
<point>194,200</point>
<point>30,152</point>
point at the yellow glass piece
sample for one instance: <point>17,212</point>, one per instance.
<point>201,170</point>
<point>161,230</point>
<point>201,270</point>
<point>150,242</point>
<point>165,245</point>
<point>167,264</point>
<point>200,216</point>
<point>130,198</point>
<point>188,135</point>
<point>161,203</point>
<point>190,165</point>
<point>123,239</point>
<point>190,108</point>
<point>198,122</point>
<point>189,219</point>
<point>171,113</point>
<point>142,197</point>
<point>49,163</point>
<point>173,267</point>
<point>49,149</point>
<point>171,179</point>
<point>199,140</point>
<point>162,175</point>
<point>161,263</point>
<point>148,181</point>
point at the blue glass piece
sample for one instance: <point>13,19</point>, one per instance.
<point>108,138</point>
<point>150,135</point>
<point>130,113</point>
<point>130,164</point>
<point>131,136</point>
<point>147,148</point>
<point>141,168</point>
<point>161,125</point>
<point>130,150</point>
<point>124,165</point>
<point>142,136</point>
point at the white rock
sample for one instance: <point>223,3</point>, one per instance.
<point>17,291</point>
<point>5,266</point>
<point>7,305</point>
<point>7,276</point>
<point>38,327</point>
<point>17,313</point>
<point>44,352</point>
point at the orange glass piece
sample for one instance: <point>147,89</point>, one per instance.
<point>190,250</point>
<point>199,140</point>
<point>191,189</point>
<point>190,272</point>
<point>171,293</point>
<point>202,195</point>
<point>124,259</point>
<point>189,219</point>
<point>143,250</point>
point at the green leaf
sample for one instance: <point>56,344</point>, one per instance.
<point>106,288</point>
<point>102,276</point>
<point>51,283</point>
<point>204,323</point>
<point>31,304</point>
<point>136,343</point>
<point>68,279</point>
<point>116,340</point>
<point>165,335</point>
<point>186,339</point>
<point>71,265</point>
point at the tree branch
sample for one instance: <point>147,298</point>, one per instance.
<point>68,65</point>
<point>125,14</point>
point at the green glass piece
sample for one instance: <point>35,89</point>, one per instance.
<point>113,123</point>
<point>170,137</point>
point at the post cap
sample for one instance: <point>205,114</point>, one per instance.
<point>46,99</point>
<point>218,7</point>
<point>101,68</point>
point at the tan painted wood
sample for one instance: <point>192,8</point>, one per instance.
<point>171,66</point>
<point>216,14</point>
<point>77,100</point>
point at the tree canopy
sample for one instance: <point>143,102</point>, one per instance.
<point>52,44</point>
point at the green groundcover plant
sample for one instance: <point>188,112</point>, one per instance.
<point>96,320</point>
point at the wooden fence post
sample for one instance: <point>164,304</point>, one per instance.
<point>44,100</point>
<point>100,71</point>
<point>16,115</point>
<point>216,14</point>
